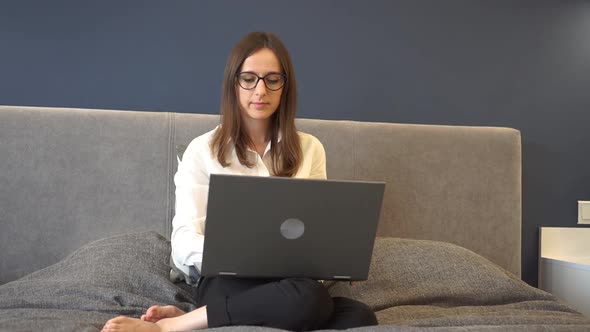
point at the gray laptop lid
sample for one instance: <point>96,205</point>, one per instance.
<point>286,227</point>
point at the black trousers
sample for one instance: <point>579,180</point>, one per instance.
<point>295,304</point>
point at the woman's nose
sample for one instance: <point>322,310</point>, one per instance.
<point>260,88</point>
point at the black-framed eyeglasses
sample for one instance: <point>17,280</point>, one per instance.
<point>248,80</point>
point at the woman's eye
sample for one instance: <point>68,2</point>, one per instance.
<point>274,79</point>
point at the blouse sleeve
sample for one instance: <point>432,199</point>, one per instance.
<point>188,226</point>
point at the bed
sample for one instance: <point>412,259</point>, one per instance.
<point>86,202</point>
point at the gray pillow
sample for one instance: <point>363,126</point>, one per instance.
<point>420,272</point>
<point>119,275</point>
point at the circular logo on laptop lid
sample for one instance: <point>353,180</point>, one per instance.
<point>292,228</point>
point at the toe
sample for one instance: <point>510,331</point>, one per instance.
<point>152,312</point>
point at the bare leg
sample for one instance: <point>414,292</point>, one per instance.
<point>157,312</point>
<point>196,319</point>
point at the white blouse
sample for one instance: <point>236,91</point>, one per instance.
<point>192,186</point>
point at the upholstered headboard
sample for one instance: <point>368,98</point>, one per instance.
<point>69,176</point>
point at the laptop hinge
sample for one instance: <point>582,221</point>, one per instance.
<point>228,274</point>
<point>342,277</point>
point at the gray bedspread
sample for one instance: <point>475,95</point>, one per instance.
<point>413,286</point>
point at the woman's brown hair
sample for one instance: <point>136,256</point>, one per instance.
<point>286,155</point>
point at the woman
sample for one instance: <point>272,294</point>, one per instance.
<point>257,136</point>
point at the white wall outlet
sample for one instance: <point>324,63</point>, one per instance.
<point>583,212</point>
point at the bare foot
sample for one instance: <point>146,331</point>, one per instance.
<point>122,323</point>
<point>157,312</point>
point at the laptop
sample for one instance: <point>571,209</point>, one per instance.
<point>274,227</point>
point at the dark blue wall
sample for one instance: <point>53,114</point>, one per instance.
<point>521,64</point>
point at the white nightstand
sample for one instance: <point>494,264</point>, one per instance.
<point>564,265</point>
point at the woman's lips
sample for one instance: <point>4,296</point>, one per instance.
<point>259,105</point>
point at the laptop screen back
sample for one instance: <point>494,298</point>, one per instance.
<point>287,227</point>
